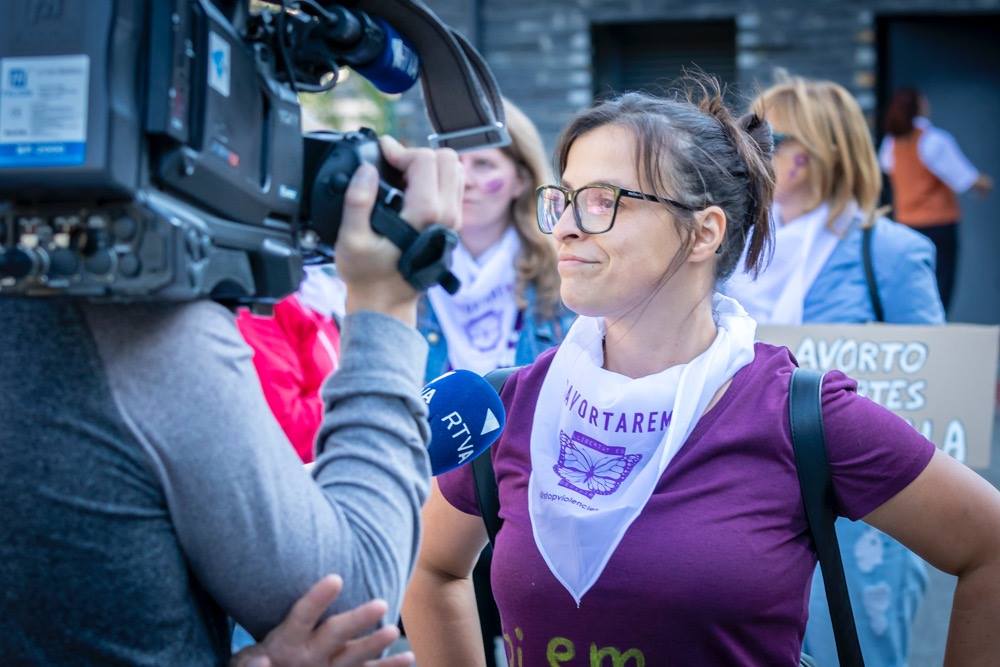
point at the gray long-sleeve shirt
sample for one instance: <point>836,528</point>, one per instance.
<point>148,491</point>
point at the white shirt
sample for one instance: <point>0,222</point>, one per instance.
<point>939,152</point>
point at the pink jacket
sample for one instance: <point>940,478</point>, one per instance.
<point>294,352</point>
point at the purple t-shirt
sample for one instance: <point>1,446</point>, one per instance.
<point>716,569</point>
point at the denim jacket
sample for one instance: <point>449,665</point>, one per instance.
<point>537,334</point>
<point>886,582</point>
<point>904,272</point>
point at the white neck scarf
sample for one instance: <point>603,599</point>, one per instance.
<point>478,322</point>
<point>801,248</point>
<point>600,441</point>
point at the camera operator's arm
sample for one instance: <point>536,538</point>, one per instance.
<point>253,527</point>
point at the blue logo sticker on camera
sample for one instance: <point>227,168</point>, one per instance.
<point>18,78</point>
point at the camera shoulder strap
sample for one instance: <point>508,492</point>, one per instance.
<point>462,97</point>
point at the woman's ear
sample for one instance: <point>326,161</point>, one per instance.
<point>522,181</point>
<point>709,233</point>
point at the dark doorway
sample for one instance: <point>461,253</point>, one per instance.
<point>955,61</point>
<point>649,56</point>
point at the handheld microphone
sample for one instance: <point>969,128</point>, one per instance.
<point>367,44</point>
<point>396,67</point>
<point>466,417</point>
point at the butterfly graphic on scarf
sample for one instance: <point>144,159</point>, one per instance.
<point>590,467</point>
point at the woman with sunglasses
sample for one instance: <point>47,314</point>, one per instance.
<point>648,492</point>
<point>827,185</point>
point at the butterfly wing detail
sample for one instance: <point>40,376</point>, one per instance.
<point>610,471</point>
<point>589,471</point>
<point>575,463</point>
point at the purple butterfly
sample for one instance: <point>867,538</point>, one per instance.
<point>590,467</point>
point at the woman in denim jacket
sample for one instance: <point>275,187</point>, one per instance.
<point>826,190</point>
<point>507,311</point>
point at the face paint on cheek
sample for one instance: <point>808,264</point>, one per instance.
<point>494,185</point>
<point>800,162</point>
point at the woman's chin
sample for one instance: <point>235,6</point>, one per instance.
<point>581,302</point>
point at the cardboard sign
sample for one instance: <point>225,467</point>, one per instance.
<point>942,380</point>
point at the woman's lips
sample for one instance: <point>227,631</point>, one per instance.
<point>568,260</point>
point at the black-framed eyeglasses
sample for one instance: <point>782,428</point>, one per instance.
<point>594,206</point>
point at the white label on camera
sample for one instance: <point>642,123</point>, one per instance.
<point>219,63</point>
<point>43,110</point>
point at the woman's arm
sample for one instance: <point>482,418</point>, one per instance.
<point>439,608</point>
<point>951,517</point>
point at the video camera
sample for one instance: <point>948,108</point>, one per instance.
<point>152,149</point>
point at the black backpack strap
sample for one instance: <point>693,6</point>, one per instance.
<point>866,256</point>
<point>487,493</point>
<point>806,420</point>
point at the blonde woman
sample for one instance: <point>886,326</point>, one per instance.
<point>827,185</point>
<point>507,311</point>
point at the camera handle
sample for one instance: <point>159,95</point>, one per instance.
<point>426,255</point>
<point>426,258</point>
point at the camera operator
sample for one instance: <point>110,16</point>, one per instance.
<point>148,491</point>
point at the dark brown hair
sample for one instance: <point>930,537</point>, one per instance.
<point>904,107</point>
<point>691,149</point>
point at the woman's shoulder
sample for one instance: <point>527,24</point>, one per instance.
<point>526,381</point>
<point>893,237</point>
<point>893,247</point>
<point>758,391</point>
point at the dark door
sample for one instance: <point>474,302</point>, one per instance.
<point>955,61</point>
<point>651,55</point>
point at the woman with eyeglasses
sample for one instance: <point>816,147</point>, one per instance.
<point>648,492</point>
<point>827,185</point>
<point>507,311</point>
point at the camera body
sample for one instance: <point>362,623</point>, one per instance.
<point>152,150</point>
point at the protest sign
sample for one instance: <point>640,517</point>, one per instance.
<point>941,379</point>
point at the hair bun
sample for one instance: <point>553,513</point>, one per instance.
<point>759,130</point>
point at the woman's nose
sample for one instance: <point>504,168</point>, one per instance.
<point>565,226</point>
<point>467,168</point>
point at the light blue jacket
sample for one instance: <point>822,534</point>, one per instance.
<point>886,582</point>
<point>537,334</point>
<point>904,272</point>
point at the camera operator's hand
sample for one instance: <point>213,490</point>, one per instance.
<point>299,642</point>
<point>367,261</point>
